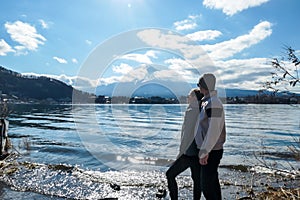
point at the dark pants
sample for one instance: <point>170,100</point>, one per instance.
<point>209,176</point>
<point>180,165</point>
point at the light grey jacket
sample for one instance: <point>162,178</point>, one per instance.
<point>210,131</point>
<point>188,127</point>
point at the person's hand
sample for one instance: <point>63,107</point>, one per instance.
<point>203,161</point>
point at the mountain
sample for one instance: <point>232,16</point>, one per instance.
<point>145,89</point>
<point>27,88</point>
<point>33,88</point>
<point>145,82</point>
<point>240,92</point>
<point>161,88</point>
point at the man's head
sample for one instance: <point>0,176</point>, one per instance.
<point>207,82</point>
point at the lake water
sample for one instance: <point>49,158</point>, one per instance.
<point>79,151</point>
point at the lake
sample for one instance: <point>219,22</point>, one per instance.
<point>77,151</point>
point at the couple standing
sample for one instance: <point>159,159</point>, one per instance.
<point>202,138</point>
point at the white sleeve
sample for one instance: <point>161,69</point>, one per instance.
<point>212,136</point>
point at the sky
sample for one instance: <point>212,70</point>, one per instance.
<point>57,38</point>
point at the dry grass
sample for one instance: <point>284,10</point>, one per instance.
<point>279,193</point>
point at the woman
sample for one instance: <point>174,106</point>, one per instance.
<point>188,152</point>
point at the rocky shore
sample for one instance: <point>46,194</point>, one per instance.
<point>23,180</point>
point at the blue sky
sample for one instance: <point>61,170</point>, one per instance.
<point>55,38</point>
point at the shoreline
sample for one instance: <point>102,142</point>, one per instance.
<point>237,182</point>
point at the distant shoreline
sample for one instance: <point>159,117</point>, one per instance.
<point>254,99</point>
<point>70,104</point>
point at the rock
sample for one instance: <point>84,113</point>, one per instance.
<point>161,193</point>
<point>115,186</point>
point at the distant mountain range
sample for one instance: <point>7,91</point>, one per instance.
<point>32,88</point>
<point>42,88</point>
<point>162,89</point>
<point>240,93</point>
<point>147,84</point>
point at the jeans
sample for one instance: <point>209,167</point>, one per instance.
<point>180,165</point>
<point>209,176</point>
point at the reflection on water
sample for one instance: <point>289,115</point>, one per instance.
<point>89,141</point>
<point>114,133</point>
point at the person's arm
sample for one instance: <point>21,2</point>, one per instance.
<point>215,123</point>
<point>187,129</point>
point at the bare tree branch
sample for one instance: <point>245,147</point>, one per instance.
<point>284,75</point>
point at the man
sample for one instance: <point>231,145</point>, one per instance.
<point>188,152</point>
<point>210,136</point>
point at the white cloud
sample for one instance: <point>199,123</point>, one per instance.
<point>178,64</point>
<point>24,34</point>
<point>88,42</point>
<point>160,39</point>
<point>109,80</point>
<point>44,24</point>
<point>248,74</point>
<point>137,74</point>
<point>187,24</point>
<point>142,73</point>
<point>141,58</point>
<point>192,61</point>
<point>84,84</point>
<point>69,80</point>
<point>184,25</point>
<point>80,83</point>
<point>182,70</point>
<point>60,60</point>
<point>204,35</point>
<point>5,48</point>
<point>228,48</point>
<point>21,50</point>
<point>174,76</point>
<point>174,70</point>
<point>151,54</point>
<point>244,73</point>
<point>234,6</point>
<point>138,58</point>
<point>235,73</point>
<point>122,68</point>
<point>180,45</point>
<point>74,60</point>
